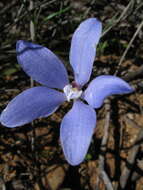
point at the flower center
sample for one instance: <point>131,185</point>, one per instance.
<point>72,91</point>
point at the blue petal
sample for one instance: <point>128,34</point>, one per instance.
<point>41,64</point>
<point>83,49</point>
<point>31,104</point>
<point>76,131</point>
<point>104,86</point>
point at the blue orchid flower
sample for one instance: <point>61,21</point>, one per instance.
<point>77,126</point>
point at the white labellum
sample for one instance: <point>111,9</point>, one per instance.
<point>72,92</point>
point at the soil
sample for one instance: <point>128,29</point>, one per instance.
<point>31,156</point>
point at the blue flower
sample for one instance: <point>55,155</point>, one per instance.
<point>77,126</point>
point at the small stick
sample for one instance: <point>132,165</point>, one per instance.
<point>32,27</point>
<point>128,47</point>
<point>118,20</point>
<point>2,184</point>
<point>131,159</point>
<point>32,36</point>
<point>103,174</point>
<point>17,19</point>
<point>134,74</point>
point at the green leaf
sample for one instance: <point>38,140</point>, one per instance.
<point>56,13</point>
<point>88,157</point>
<point>9,71</point>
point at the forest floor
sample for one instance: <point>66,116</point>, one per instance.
<point>31,156</point>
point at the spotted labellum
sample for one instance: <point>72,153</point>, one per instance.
<point>78,125</point>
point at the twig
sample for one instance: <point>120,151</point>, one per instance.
<point>20,10</point>
<point>17,19</point>
<point>2,184</point>
<point>134,74</point>
<point>7,7</point>
<point>103,174</point>
<point>32,36</point>
<point>119,19</point>
<point>32,27</point>
<point>131,160</point>
<point>128,47</point>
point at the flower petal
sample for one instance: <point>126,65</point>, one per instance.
<point>76,131</point>
<point>103,86</point>
<point>41,64</point>
<point>83,49</point>
<point>31,104</point>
